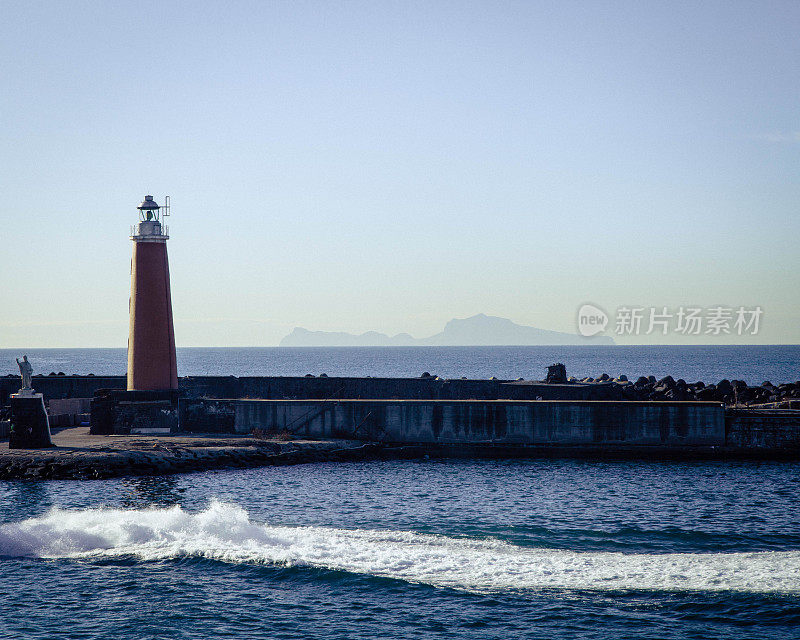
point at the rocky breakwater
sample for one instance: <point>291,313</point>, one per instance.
<point>81,456</point>
<point>729,392</point>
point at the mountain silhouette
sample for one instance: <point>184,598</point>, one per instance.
<point>477,330</point>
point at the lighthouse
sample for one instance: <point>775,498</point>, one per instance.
<point>151,337</point>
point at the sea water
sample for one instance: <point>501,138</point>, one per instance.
<point>751,363</point>
<point>428,549</point>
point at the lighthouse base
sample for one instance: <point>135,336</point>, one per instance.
<point>119,412</point>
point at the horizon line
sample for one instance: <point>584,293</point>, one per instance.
<point>428,346</point>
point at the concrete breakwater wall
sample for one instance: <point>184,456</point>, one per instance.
<point>685,424</point>
<point>423,388</point>
<point>294,387</point>
<point>203,407</point>
<point>585,425</point>
<point>758,429</point>
<point>60,387</point>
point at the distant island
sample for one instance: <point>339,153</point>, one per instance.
<point>478,330</point>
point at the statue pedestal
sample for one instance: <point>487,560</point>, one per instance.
<point>30,428</point>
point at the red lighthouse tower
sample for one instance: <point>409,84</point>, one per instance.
<point>151,339</point>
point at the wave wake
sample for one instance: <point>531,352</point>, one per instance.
<point>224,532</point>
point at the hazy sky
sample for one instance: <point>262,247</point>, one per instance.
<point>391,165</point>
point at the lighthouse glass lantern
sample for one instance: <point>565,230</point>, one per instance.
<point>150,214</point>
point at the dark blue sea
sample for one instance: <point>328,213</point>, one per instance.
<point>456,549</point>
<point>753,364</point>
<point>414,549</point>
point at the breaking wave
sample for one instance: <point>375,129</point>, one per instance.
<point>224,532</point>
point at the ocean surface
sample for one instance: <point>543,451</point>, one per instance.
<point>413,549</point>
<point>430,549</point>
<point>753,364</point>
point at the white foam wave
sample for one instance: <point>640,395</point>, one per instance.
<point>225,532</point>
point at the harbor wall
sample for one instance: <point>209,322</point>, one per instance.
<point>759,429</point>
<point>500,422</point>
<point>60,387</point>
<point>426,410</point>
<point>319,387</point>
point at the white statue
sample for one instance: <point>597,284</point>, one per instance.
<point>26,371</point>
